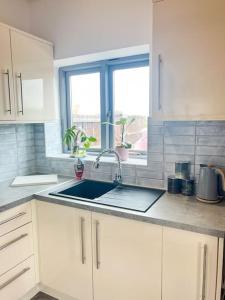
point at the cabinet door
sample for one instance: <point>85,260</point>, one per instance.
<point>7,111</point>
<point>189,265</point>
<point>33,77</point>
<point>127,259</point>
<point>188,60</point>
<point>65,250</point>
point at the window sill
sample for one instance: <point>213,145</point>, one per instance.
<point>106,159</point>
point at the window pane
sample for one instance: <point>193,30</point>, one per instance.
<point>131,99</point>
<point>85,103</point>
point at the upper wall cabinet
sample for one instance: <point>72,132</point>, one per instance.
<point>33,76</point>
<point>26,86</point>
<point>7,107</point>
<point>188,60</point>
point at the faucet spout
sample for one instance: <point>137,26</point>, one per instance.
<point>118,175</point>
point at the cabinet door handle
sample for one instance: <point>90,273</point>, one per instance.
<point>97,244</point>
<point>204,267</point>
<point>9,91</point>
<point>159,81</point>
<point>19,76</point>
<point>82,229</point>
<point>6,245</point>
<point>13,218</point>
<point>14,278</point>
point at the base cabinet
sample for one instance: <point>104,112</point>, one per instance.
<point>189,265</point>
<point>65,250</point>
<point>86,255</point>
<point>127,259</point>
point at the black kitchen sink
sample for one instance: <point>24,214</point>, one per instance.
<point>87,189</point>
<point>110,194</point>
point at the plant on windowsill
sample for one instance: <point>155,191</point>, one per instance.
<point>78,141</point>
<point>123,147</point>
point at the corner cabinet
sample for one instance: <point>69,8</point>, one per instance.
<point>188,60</point>
<point>26,79</point>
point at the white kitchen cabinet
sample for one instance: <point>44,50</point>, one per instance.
<point>7,107</point>
<point>189,265</point>
<point>18,281</point>
<point>33,76</point>
<point>188,60</point>
<point>26,77</point>
<point>127,259</point>
<point>65,250</point>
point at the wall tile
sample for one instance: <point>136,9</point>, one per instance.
<point>218,130</point>
<point>17,150</point>
<point>179,130</point>
<point>179,140</point>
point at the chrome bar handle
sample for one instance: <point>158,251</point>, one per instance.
<point>204,267</point>
<point>97,244</point>
<point>22,236</point>
<point>19,76</point>
<point>14,278</point>
<point>82,225</point>
<point>13,218</point>
<point>9,91</point>
<point>159,81</point>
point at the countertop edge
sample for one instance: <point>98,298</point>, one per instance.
<point>132,216</point>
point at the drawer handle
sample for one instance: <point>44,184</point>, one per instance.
<point>13,241</point>
<point>14,278</point>
<point>97,245</point>
<point>204,267</point>
<point>82,225</point>
<point>13,218</point>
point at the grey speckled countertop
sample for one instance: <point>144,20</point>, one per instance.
<point>12,196</point>
<point>170,210</point>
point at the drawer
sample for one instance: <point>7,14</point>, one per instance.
<point>18,281</point>
<point>15,247</point>
<point>14,218</point>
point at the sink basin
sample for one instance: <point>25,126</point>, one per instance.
<point>110,194</point>
<point>87,189</point>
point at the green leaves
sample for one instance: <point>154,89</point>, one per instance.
<point>124,123</point>
<point>72,135</point>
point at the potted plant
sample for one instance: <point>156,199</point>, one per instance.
<point>74,137</point>
<point>123,147</point>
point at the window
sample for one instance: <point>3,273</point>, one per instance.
<point>94,93</point>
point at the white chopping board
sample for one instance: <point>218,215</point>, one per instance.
<point>35,180</point>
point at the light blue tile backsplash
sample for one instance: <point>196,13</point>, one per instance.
<point>23,150</point>
<point>195,141</point>
<point>17,151</point>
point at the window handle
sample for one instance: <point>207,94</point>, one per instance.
<point>109,115</point>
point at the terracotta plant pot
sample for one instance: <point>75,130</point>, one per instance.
<point>123,152</point>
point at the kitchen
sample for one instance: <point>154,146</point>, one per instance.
<point>125,237</point>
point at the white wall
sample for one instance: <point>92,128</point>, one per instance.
<point>79,27</point>
<point>15,13</point>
